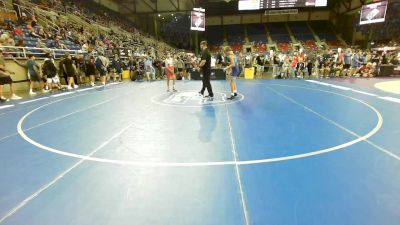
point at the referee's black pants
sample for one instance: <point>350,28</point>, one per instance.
<point>207,83</point>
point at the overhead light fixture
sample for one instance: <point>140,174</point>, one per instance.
<point>159,15</point>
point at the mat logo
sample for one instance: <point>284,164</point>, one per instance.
<point>192,98</point>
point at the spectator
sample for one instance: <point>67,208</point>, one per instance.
<point>32,32</point>
<point>5,78</point>
<point>85,47</point>
<point>40,44</point>
<point>18,32</point>
<point>180,66</point>
<point>57,44</point>
<point>101,65</point>
<point>90,69</point>
<point>34,73</point>
<point>149,69</point>
<point>367,70</point>
<point>43,34</point>
<point>61,71</point>
<point>49,70</point>
<point>116,65</point>
<point>6,40</point>
<point>70,71</point>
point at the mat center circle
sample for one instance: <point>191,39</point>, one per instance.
<point>195,99</point>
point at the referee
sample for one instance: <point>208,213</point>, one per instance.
<point>205,65</point>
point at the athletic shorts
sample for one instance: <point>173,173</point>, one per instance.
<point>53,80</point>
<point>34,77</point>
<point>171,76</point>
<point>230,77</point>
<point>103,72</point>
<point>71,75</point>
<point>5,80</point>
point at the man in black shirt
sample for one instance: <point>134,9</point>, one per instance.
<point>205,65</point>
<point>70,70</point>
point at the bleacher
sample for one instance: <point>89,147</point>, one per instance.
<point>260,47</point>
<point>284,46</point>
<point>323,30</point>
<point>89,17</point>
<point>235,34</point>
<point>309,45</point>
<point>215,37</point>
<point>303,34</point>
<point>301,31</point>
<point>237,47</point>
<point>256,33</point>
<point>278,32</point>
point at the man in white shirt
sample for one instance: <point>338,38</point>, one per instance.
<point>149,69</point>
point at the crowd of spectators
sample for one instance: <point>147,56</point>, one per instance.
<point>121,47</point>
<point>67,34</point>
<point>318,63</point>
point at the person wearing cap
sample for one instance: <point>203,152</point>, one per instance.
<point>34,73</point>
<point>5,78</point>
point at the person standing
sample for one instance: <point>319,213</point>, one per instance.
<point>180,65</point>
<point>49,70</point>
<point>205,66</point>
<point>102,64</point>
<point>90,70</point>
<point>260,62</point>
<point>70,69</point>
<point>347,62</point>
<point>34,73</point>
<point>149,69</point>
<point>116,64</point>
<point>61,72</point>
<point>132,68</point>
<point>169,65</point>
<point>5,78</point>
<point>232,71</point>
